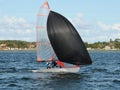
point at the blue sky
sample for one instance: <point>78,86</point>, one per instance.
<point>95,20</point>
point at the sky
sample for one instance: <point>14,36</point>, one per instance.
<point>95,20</point>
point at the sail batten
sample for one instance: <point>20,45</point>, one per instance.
<point>66,41</point>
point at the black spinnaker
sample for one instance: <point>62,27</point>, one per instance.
<point>66,41</point>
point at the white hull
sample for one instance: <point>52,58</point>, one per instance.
<point>59,70</point>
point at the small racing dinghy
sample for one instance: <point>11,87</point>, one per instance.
<point>57,39</point>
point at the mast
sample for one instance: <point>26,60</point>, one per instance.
<point>43,47</point>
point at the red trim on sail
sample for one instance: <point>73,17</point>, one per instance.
<point>45,5</point>
<point>37,39</point>
<point>38,59</point>
<point>52,57</point>
<point>41,14</point>
<point>40,27</point>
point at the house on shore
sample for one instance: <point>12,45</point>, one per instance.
<point>3,47</point>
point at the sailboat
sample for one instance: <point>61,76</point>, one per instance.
<point>57,39</point>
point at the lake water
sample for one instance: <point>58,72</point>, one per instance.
<point>16,66</point>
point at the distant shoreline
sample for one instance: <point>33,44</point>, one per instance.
<point>35,50</point>
<point>24,45</point>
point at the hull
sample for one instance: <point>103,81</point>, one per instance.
<point>59,70</point>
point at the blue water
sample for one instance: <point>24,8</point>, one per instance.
<point>16,66</point>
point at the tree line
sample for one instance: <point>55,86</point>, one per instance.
<point>16,43</point>
<point>101,45</point>
<point>25,44</point>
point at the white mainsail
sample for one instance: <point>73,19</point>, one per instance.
<point>44,48</point>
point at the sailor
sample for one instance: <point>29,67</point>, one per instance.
<point>48,65</point>
<point>54,64</point>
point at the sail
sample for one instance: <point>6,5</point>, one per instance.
<point>44,48</point>
<point>66,41</point>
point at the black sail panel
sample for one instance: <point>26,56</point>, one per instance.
<point>66,41</point>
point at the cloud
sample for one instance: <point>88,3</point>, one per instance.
<point>95,31</point>
<point>13,28</point>
<point>107,32</point>
<point>84,27</point>
<point>116,26</point>
<point>80,23</point>
<point>103,26</point>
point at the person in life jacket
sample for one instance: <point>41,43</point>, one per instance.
<point>54,64</point>
<point>48,65</point>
